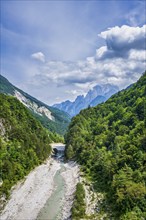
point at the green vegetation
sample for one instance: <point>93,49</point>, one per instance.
<point>24,143</point>
<point>109,141</point>
<point>58,126</point>
<point>78,208</point>
<point>62,119</point>
<point>5,86</point>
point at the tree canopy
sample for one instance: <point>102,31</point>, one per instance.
<point>24,143</point>
<point>109,141</point>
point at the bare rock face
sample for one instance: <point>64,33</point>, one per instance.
<point>33,106</point>
<point>46,112</point>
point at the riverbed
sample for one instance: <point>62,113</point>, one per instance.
<point>46,193</point>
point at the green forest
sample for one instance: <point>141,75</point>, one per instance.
<point>24,142</point>
<point>79,207</point>
<point>109,142</point>
<point>62,119</point>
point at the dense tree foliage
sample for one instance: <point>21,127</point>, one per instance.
<point>58,126</point>
<point>79,207</point>
<point>109,141</point>
<point>24,143</point>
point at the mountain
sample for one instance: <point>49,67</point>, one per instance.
<point>99,94</point>
<point>24,142</point>
<point>52,118</point>
<point>109,143</point>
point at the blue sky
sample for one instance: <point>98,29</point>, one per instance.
<point>56,50</point>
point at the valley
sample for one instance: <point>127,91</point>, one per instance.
<point>46,193</point>
<point>73,110</point>
<point>98,173</point>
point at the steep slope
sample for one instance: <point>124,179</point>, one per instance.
<point>109,141</point>
<point>52,118</point>
<point>24,142</point>
<point>99,94</point>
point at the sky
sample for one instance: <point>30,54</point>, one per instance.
<point>57,50</point>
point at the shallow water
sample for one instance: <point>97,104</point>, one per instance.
<point>52,208</point>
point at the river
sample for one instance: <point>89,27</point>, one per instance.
<point>53,207</point>
<point>47,192</point>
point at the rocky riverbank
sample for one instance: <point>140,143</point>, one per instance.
<point>29,197</point>
<point>71,177</point>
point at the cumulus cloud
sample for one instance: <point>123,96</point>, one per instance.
<point>119,40</point>
<point>64,73</point>
<point>38,56</point>
<point>137,55</point>
<point>120,62</point>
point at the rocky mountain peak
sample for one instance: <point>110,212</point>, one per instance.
<point>95,96</point>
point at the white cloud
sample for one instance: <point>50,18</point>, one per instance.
<point>124,38</point>
<point>51,28</point>
<point>106,66</point>
<point>138,55</point>
<point>75,92</point>
<point>38,56</point>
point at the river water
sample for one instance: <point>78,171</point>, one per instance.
<point>47,192</point>
<point>53,207</point>
<point>52,210</point>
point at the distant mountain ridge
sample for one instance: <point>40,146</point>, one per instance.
<point>52,118</point>
<point>95,96</point>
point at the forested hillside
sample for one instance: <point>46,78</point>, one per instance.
<point>109,141</point>
<point>52,118</point>
<point>24,143</point>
